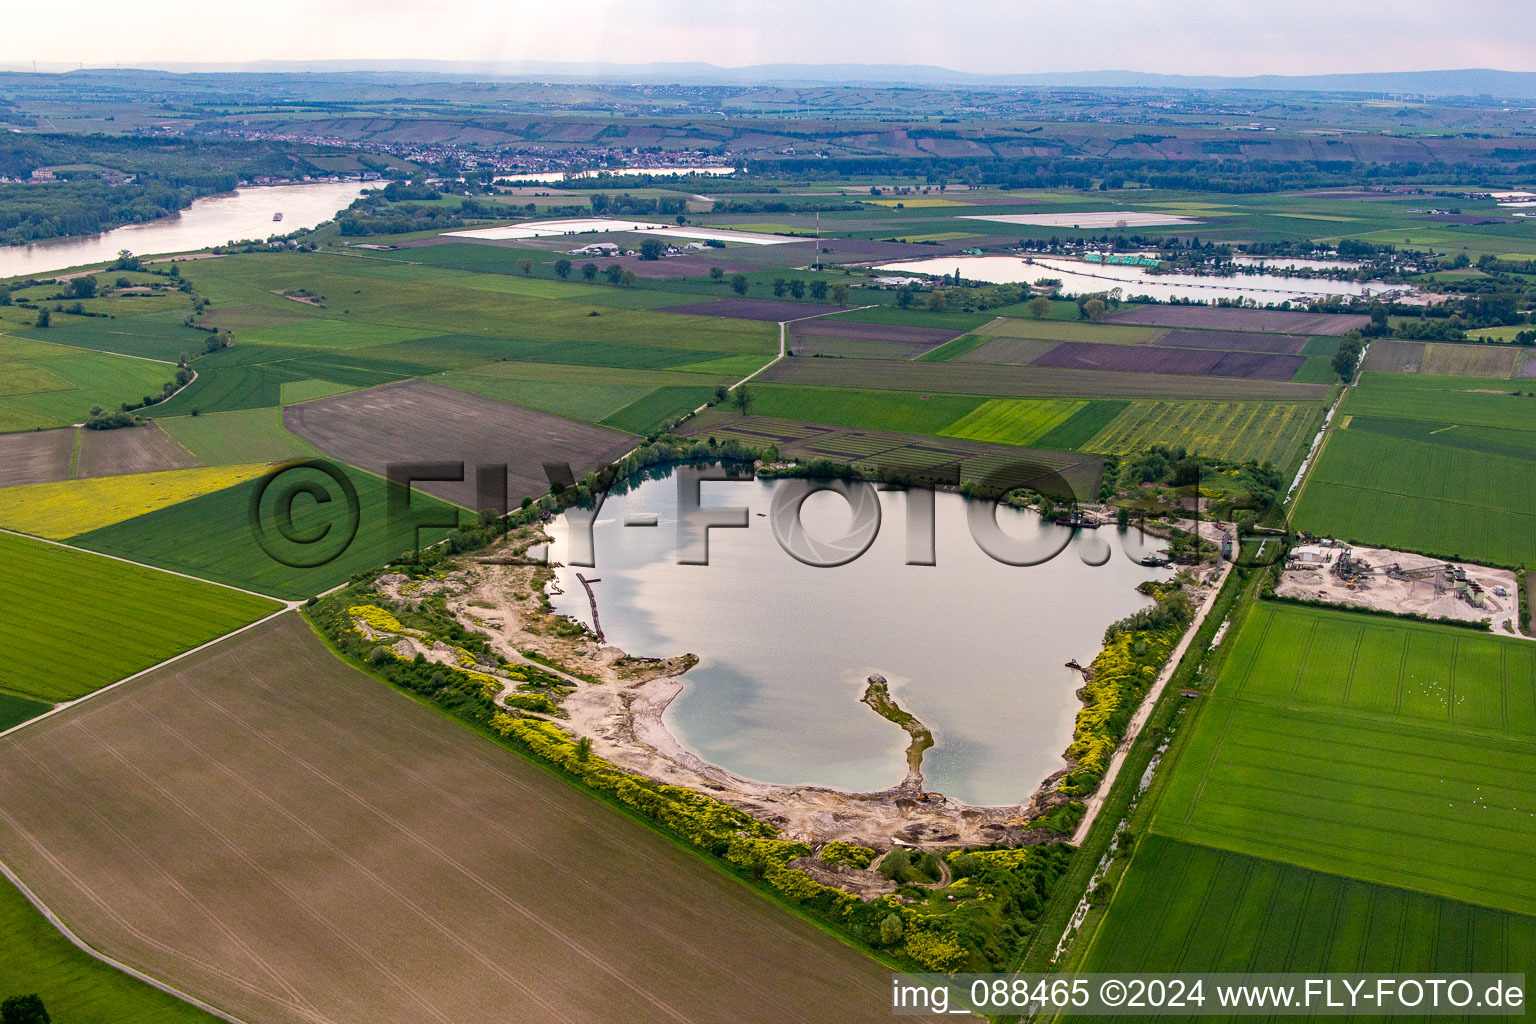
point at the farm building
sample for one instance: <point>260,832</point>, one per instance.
<point>598,249</point>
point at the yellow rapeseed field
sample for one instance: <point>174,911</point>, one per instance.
<point>71,507</point>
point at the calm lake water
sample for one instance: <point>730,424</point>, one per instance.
<point>974,648</point>
<point>245,213</point>
<point>1077,278</point>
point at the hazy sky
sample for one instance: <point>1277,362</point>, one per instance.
<point>1228,37</point>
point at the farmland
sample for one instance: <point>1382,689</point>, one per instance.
<point>874,449</point>
<point>245,435</point>
<point>865,341</point>
<point>1151,359</point>
<point>36,457</point>
<point>145,449</point>
<point>64,603</point>
<point>1216,910</point>
<point>66,508</point>
<point>1018,420</point>
<point>1307,750</point>
<point>1456,499</point>
<point>1277,432</point>
<point>1032,381</point>
<point>1329,736</point>
<point>74,986</point>
<point>419,843</point>
<point>45,385</point>
<point>1260,320</point>
<point>418,421</point>
<point>1466,401</point>
<point>854,407</point>
<point>211,536</point>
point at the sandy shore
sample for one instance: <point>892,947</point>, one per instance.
<point>620,703</point>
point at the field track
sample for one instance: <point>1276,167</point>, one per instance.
<point>266,828</point>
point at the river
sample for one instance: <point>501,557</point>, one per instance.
<point>974,648</point>
<point>215,220</point>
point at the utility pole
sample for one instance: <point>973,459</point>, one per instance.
<point>817,264</point>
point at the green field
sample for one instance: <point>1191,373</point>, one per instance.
<point>148,337</point>
<point>648,412</point>
<point>1422,497</point>
<point>76,622</point>
<point>854,407</point>
<point>15,710</point>
<point>953,349</point>
<point>1185,907</point>
<point>44,385</point>
<point>1444,399</point>
<point>1518,444</point>
<point>590,402</point>
<point>1276,432</point>
<point>1336,741</point>
<point>230,438</point>
<point>211,537</point>
<point>1015,420</point>
<point>75,987</point>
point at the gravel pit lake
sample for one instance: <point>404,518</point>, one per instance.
<point>976,649</point>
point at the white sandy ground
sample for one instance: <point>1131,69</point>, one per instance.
<point>1414,597</point>
<point>1102,219</point>
<point>543,228</point>
<point>619,702</point>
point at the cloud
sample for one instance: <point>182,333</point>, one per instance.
<point>1230,37</point>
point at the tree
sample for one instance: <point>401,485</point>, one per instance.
<point>904,298</point>
<point>818,290</point>
<point>739,284</point>
<point>5,296</point>
<point>613,272</point>
<point>1094,308</point>
<point>44,318</point>
<point>650,249</point>
<point>840,293</point>
<point>717,273</point>
<point>24,1010</point>
<point>526,266</point>
<point>589,271</point>
<point>797,288</point>
<point>562,268</point>
<point>583,748</point>
<point>742,400</point>
<point>935,301</point>
<point>627,278</point>
<point>890,930</point>
<point>721,394</point>
<point>82,287</point>
<point>1039,307</point>
<point>599,202</point>
<point>780,286</point>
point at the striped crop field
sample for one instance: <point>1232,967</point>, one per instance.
<point>1277,432</point>
<point>1433,498</point>
<point>1216,910</point>
<point>76,621</point>
<point>1337,742</point>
